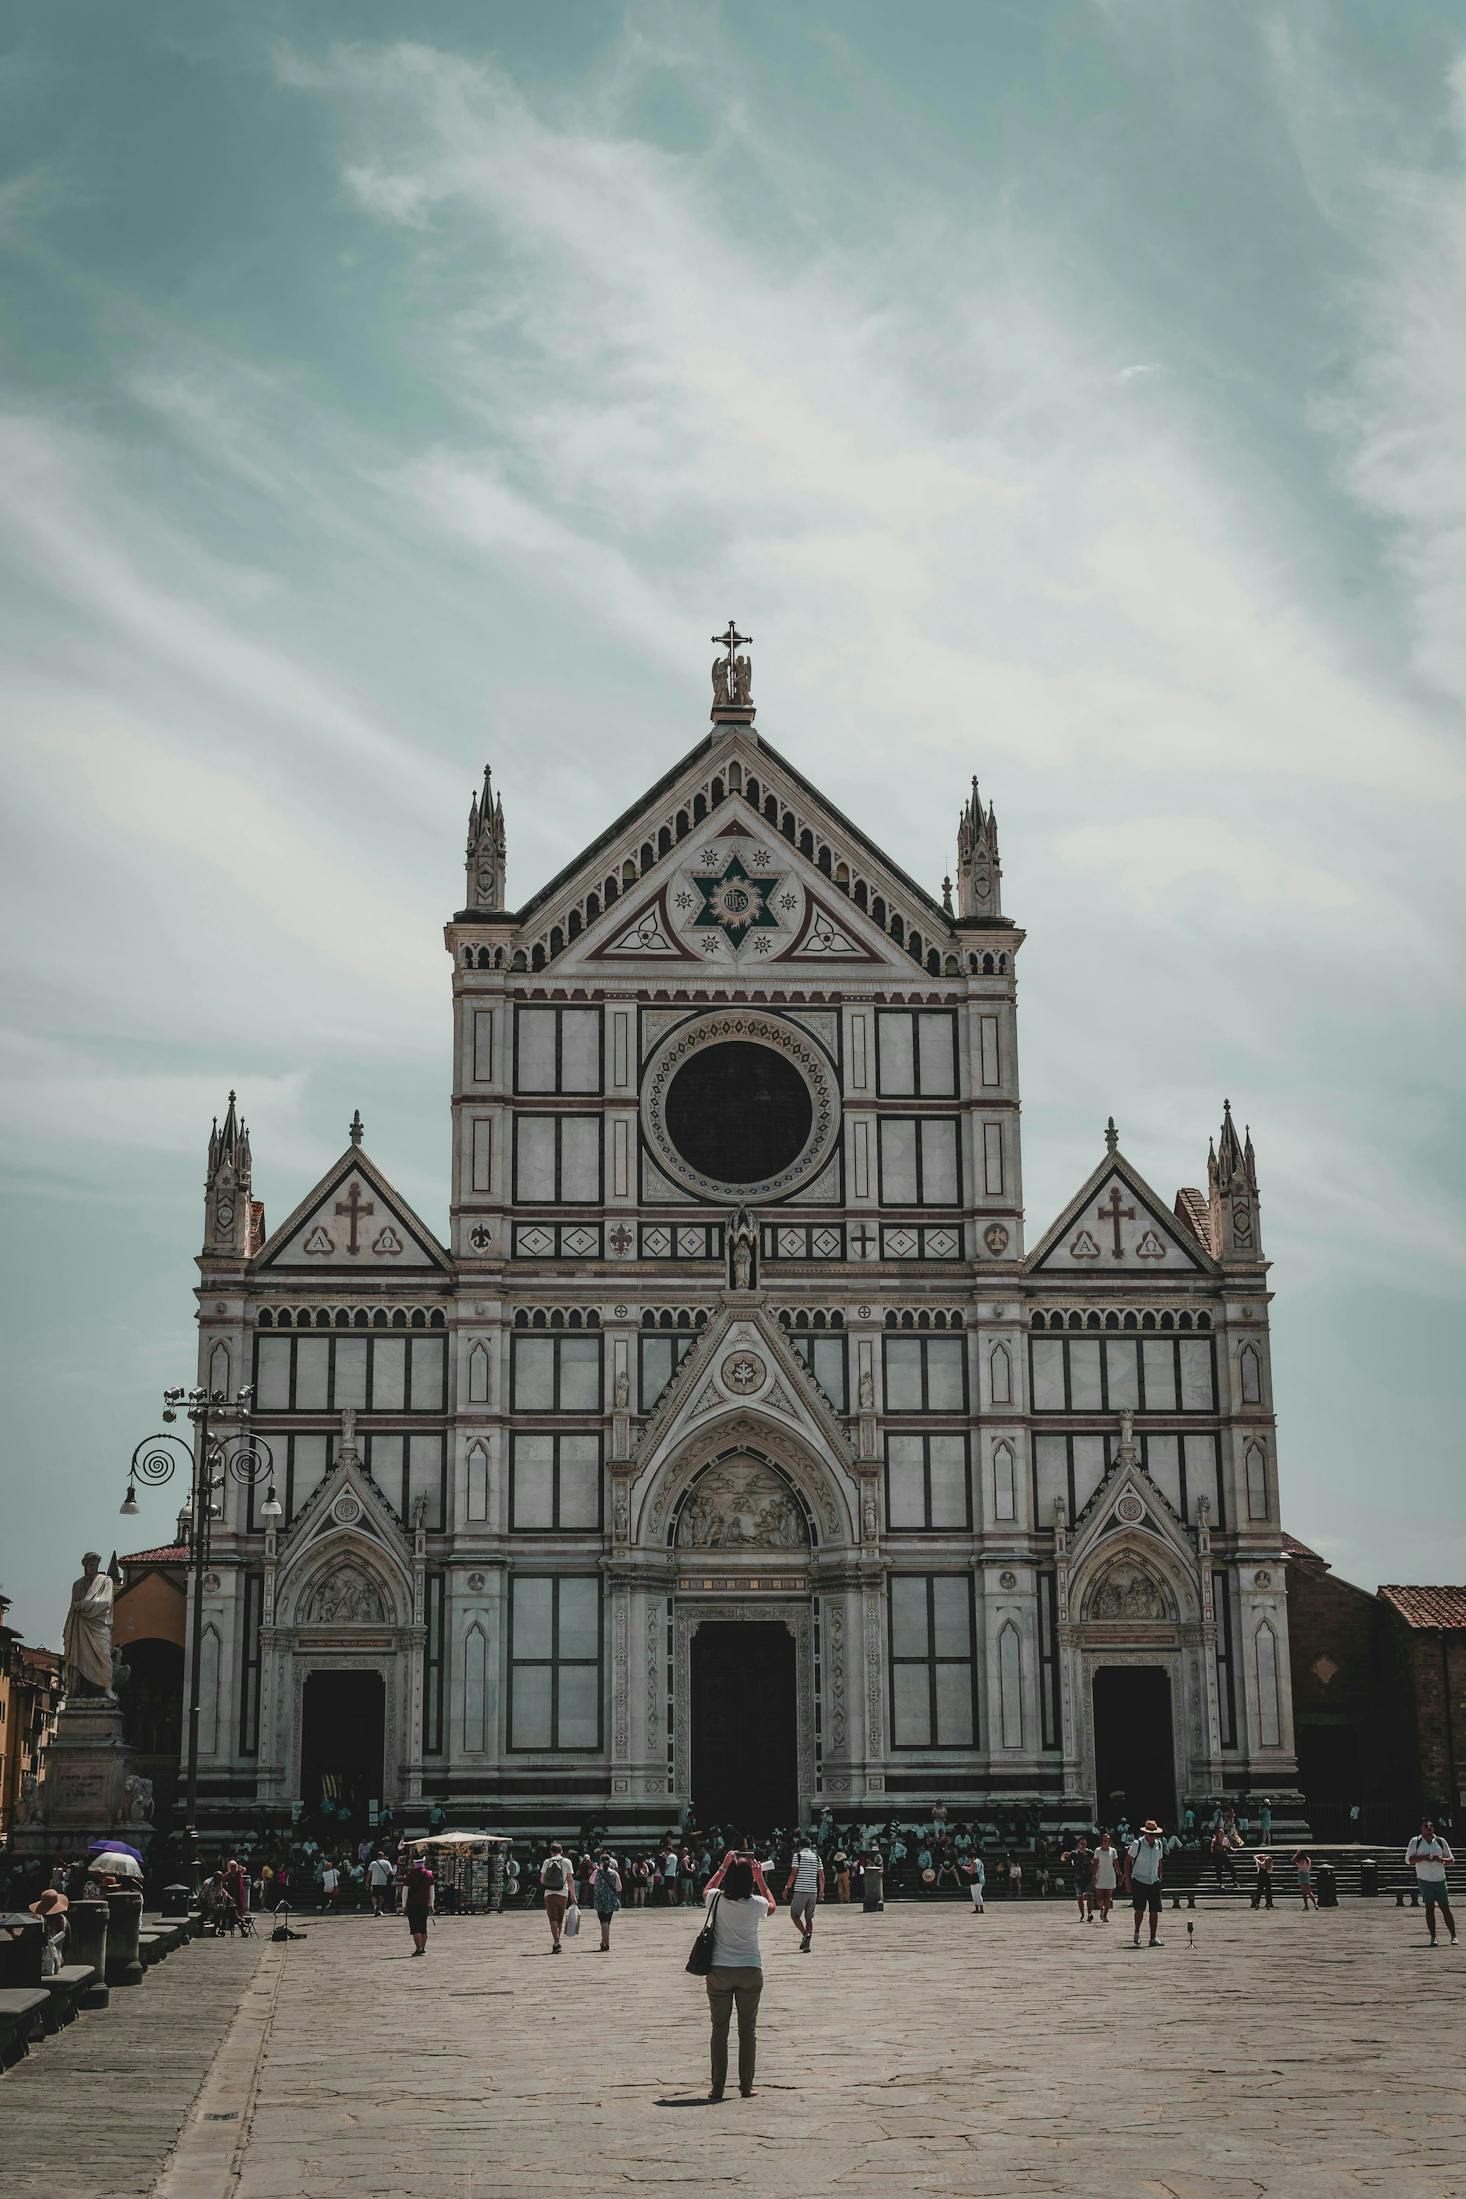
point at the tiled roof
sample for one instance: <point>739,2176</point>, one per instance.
<point>171,1553</point>
<point>1293,1548</point>
<point>1427,1606</point>
<point>1193,1209</point>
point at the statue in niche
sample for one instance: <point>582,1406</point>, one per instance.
<point>741,1244</point>
<point>621,1391</point>
<point>86,1643</point>
<point>347,1598</point>
<point>867,1391</point>
<point>742,1506</point>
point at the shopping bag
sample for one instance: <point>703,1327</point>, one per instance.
<point>571,1927</point>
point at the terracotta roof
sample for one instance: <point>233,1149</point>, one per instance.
<point>42,1660</point>
<point>1193,1209</point>
<point>1426,1606</point>
<point>169,1553</point>
<point>1293,1548</point>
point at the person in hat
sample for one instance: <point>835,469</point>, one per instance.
<point>51,1907</point>
<point>1144,1861</point>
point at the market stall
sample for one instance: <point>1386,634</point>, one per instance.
<point>468,1868</point>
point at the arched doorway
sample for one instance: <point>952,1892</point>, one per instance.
<point>342,1744</point>
<point>745,1725</point>
<point>1134,1744</point>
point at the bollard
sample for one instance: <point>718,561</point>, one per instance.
<point>1191,1899</point>
<point>21,1940</point>
<point>175,1904</point>
<point>87,1943</point>
<point>872,1888</point>
<point>124,1916</point>
<point>1175,1901</point>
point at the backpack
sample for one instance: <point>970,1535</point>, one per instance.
<point>555,1878</point>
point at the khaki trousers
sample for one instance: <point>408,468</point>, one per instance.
<point>725,1987</point>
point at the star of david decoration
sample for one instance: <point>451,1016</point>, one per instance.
<point>735,904</point>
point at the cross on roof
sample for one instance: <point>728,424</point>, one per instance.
<point>732,639</point>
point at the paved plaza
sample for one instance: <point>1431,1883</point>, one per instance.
<point>923,2050</point>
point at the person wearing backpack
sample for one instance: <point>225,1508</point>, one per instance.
<point>555,1883</point>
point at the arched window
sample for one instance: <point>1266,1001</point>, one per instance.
<point>1010,1686</point>
<point>1250,1368</point>
<point>478,1481</point>
<point>1269,1703</point>
<point>1005,1493</point>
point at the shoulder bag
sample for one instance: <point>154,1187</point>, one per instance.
<point>700,1961</point>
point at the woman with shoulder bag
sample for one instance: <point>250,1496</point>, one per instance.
<point>738,1901</point>
<point>605,1885</point>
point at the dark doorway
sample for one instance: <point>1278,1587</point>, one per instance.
<point>744,1726</point>
<point>341,1743</point>
<point>1134,1745</point>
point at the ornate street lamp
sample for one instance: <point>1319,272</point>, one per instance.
<point>219,1452</point>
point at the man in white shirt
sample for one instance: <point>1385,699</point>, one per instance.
<point>1430,1855</point>
<point>381,1877</point>
<point>804,1887</point>
<point>1144,1861</point>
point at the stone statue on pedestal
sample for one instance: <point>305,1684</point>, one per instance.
<point>87,1640</point>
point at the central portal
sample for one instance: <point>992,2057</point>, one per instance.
<point>343,1734</point>
<point>745,1745</point>
<point>1134,1745</point>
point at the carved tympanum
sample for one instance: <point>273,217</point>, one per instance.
<point>742,1505</point>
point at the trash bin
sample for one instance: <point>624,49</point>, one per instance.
<point>873,1887</point>
<point>1328,1887</point>
<point>1369,1875</point>
<point>20,1949</point>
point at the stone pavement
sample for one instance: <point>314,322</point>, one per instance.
<point>923,2050</point>
<point>91,2113</point>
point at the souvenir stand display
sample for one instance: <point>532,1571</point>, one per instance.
<point>468,1868</point>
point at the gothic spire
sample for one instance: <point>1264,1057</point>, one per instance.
<point>486,859</point>
<point>228,1209</point>
<point>979,871</point>
<point>1231,1173</point>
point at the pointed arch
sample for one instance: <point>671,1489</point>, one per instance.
<point>1010,1685</point>
<point>475,1690</point>
<point>1266,1664</point>
<point>1257,1490</point>
<point>1005,1482</point>
<point>209,1661</point>
<point>1249,1368</point>
<point>1000,1375</point>
<point>219,1368</point>
<point>478,1481</point>
<point>478,1375</point>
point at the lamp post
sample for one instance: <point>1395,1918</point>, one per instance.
<point>223,1448</point>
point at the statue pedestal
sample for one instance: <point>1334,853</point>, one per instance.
<point>83,1787</point>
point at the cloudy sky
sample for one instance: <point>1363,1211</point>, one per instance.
<point>1066,391</point>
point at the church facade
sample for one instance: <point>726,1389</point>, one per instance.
<point>738,1450</point>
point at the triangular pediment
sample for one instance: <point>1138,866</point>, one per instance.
<point>1129,1517</point>
<point>742,1363</point>
<point>1118,1226</point>
<point>349,1534</point>
<point>353,1220</point>
<point>700,874</point>
<point>735,900</point>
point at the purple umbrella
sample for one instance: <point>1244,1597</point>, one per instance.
<point>115,1847</point>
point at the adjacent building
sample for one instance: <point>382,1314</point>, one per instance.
<point>30,1697</point>
<point>739,1447</point>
